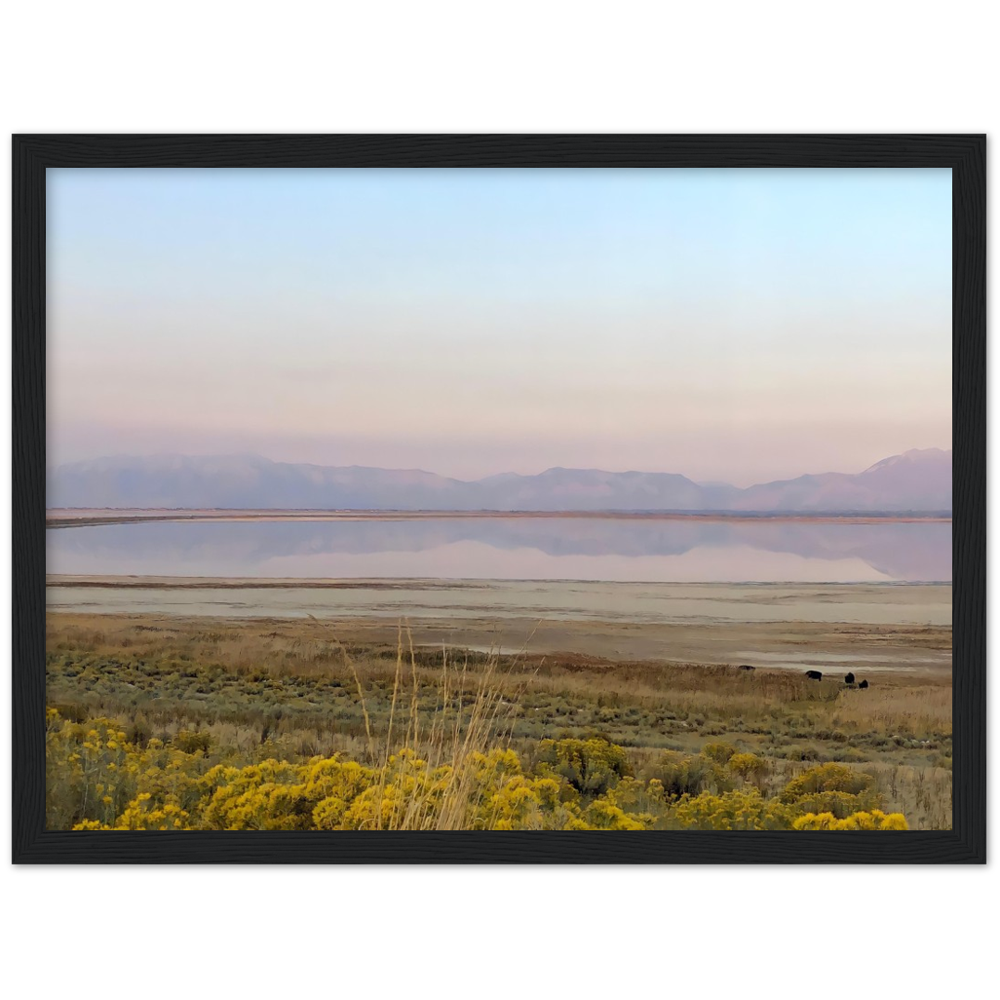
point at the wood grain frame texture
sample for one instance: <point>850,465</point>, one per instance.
<point>964,154</point>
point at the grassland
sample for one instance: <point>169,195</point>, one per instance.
<point>242,693</point>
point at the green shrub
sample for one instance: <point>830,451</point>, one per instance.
<point>680,775</point>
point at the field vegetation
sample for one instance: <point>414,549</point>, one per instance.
<point>160,722</point>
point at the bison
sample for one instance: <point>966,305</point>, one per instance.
<point>746,666</point>
<point>849,679</point>
<point>863,684</point>
<point>814,675</point>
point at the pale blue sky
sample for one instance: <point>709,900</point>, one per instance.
<point>726,324</point>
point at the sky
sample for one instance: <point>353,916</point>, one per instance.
<point>730,325</point>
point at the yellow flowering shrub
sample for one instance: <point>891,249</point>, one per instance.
<point>604,815</point>
<point>142,814</point>
<point>266,796</point>
<point>407,794</point>
<point>190,742</point>
<point>737,810</point>
<point>831,788</point>
<point>97,779</point>
<point>874,820</point>
<point>89,765</point>
<point>826,778</point>
<point>331,777</point>
<point>719,752</point>
<point>590,766</point>
<point>747,765</point>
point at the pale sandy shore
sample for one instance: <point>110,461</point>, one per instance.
<point>873,626</point>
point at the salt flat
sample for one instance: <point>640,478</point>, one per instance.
<point>876,626</point>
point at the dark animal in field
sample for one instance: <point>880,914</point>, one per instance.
<point>863,684</point>
<point>849,679</point>
<point>746,666</point>
<point>814,675</point>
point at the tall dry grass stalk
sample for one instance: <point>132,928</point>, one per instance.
<point>451,749</point>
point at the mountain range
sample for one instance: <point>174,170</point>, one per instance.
<point>916,481</point>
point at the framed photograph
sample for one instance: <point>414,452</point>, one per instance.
<point>499,499</point>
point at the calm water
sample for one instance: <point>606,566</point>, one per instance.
<point>512,549</point>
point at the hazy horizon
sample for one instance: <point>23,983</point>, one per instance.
<point>496,472</point>
<point>742,326</point>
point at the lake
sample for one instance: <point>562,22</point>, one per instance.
<point>513,548</point>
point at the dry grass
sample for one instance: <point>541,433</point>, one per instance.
<point>914,707</point>
<point>459,729</point>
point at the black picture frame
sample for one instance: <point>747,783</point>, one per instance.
<point>964,154</point>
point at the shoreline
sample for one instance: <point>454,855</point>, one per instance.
<point>116,581</point>
<point>86,517</point>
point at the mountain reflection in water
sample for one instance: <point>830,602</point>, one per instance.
<point>520,548</point>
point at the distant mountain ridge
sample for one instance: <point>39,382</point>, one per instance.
<point>919,481</point>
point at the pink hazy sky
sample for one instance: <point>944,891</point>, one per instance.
<point>728,325</point>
